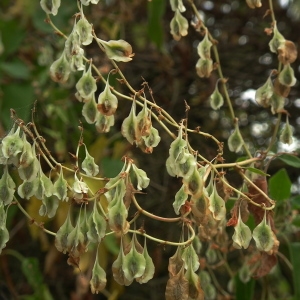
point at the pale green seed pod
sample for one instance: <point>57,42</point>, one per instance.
<point>61,238</point>
<point>277,103</point>
<point>134,263</point>
<point>217,205</point>
<point>12,144</point>
<point>107,101</point>
<point>204,67</point>
<point>264,93</point>
<point>211,256</point>
<point>79,188</point>
<point>44,186</point>
<point>76,61</point>
<point>86,85</point>
<point>242,234</point>
<point>50,6</point>
<point>287,76</point>
<point>180,198</point>
<point>88,164</point>
<point>263,236</point>
<point>98,280</point>
<point>27,189</point>
<point>245,273</point>
<point>49,206</point>
<point>144,123</point>
<point>118,50</point>
<point>117,217</point>
<point>84,30</point>
<point>235,140</point>
<point>277,41</point>
<point>190,258</point>
<point>141,177</point>
<point>129,126</point>
<point>216,99</point>
<point>60,187</point>
<point>149,269</point>
<point>72,43</point>
<point>193,183</point>
<point>204,47</point>
<point>177,4</point>
<point>90,111</point>
<point>60,69</point>
<point>27,155</point>
<point>286,135</point>
<point>179,26</point>
<point>253,3</point>
<point>97,225</point>
<point>4,234</point>
<point>30,172</point>
<point>178,148</point>
<point>7,188</point>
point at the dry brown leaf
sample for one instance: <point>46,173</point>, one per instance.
<point>287,53</point>
<point>281,89</point>
<point>175,263</point>
<point>267,262</point>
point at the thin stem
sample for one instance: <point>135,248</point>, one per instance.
<point>152,216</point>
<point>31,219</point>
<point>272,11</point>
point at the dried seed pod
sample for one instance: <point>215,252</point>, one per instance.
<point>179,26</point>
<point>287,53</point>
<point>204,67</point>
<point>104,123</point>
<point>177,287</point>
<point>253,3</point>
<point>107,101</point>
<point>144,121</point>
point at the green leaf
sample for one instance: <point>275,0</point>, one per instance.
<point>295,202</point>
<point>280,185</point>
<point>16,68</point>
<point>295,259</point>
<point>156,9</point>
<point>296,221</point>
<point>290,160</point>
<point>257,171</point>
<point>30,268</point>
<point>244,291</point>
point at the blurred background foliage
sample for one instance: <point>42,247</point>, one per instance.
<point>28,46</point>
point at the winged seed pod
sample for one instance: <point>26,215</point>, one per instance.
<point>60,69</point>
<point>242,234</point>
<point>79,188</point>
<point>277,41</point>
<point>72,43</point>
<point>60,187</point>
<point>12,144</point>
<point>277,103</point>
<point>177,4</point>
<point>180,198</point>
<point>253,3</point>
<point>84,30</point>
<point>235,140</point>
<point>117,217</point>
<point>134,263</point>
<point>90,111</point>
<point>179,26</point>
<point>141,177</point>
<point>144,121</point>
<point>193,183</point>
<point>129,126</point>
<point>76,61</point>
<point>177,287</point>
<point>44,186</point>
<point>61,238</point>
<point>7,188</point>
<point>88,164</point>
<point>50,6</point>
<point>286,135</point>
<point>49,206</point>
<point>28,154</point>
<point>190,258</point>
<point>217,205</point>
<point>30,172</point>
<point>103,123</point>
<point>86,85</point>
<point>27,189</point>
<point>264,93</point>
<point>107,101</point>
<point>287,76</point>
<point>177,148</point>
<point>149,269</point>
<point>118,50</point>
<point>4,235</point>
<point>98,280</point>
<point>204,47</point>
<point>204,67</point>
<point>216,99</point>
<point>263,235</point>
